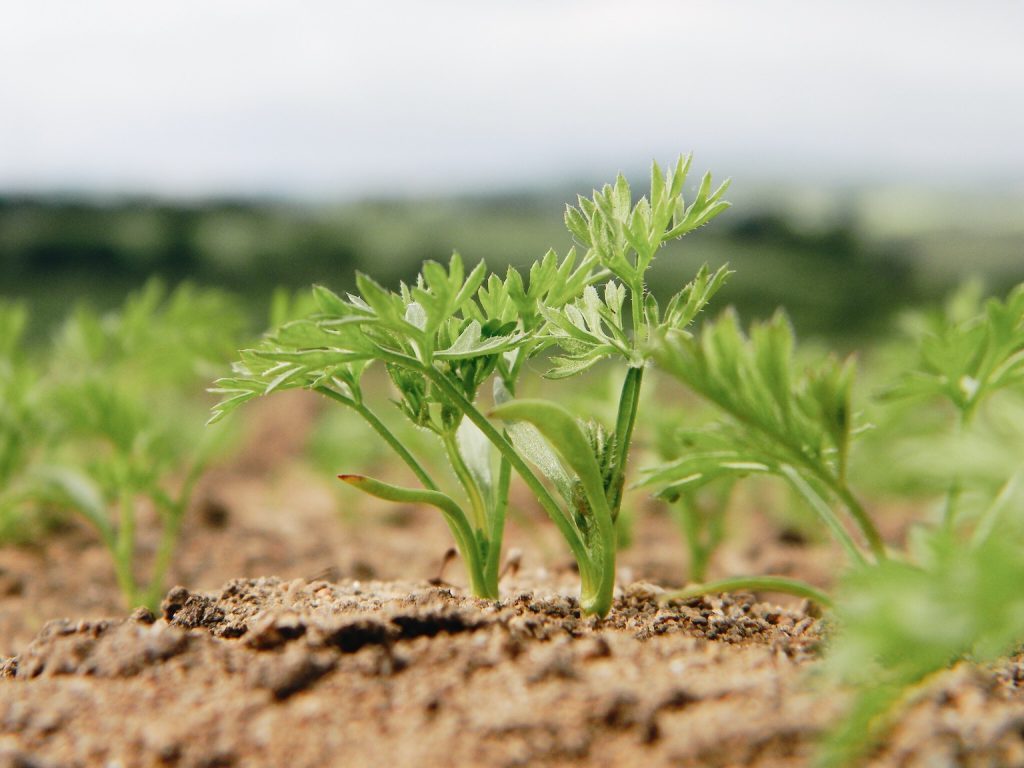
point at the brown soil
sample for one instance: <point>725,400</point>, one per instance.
<point>334,662</point>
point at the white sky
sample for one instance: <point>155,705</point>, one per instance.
<point>333,98</point>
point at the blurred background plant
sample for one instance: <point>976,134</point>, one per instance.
<point>947,428</point>
<point>19,425</point>
<point>902,624</point>
<point>108,421</point>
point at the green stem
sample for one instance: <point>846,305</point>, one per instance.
<point>990,518</point>
<point>825,512</point>
<point>629,402</point>
<point>853,506</point>
<point>498,440</point>
<point>867,527</point>
<point>172,519</point>
<point>124,546</point>
<point>172,515</point>
<point>597,592</point>
<point>636,305</point>
<point>689,518</point>
<point>381,429</point>
<point>497,530</point>
<point>465,478</point>
<point>949,510</point>
<point>949,506</point>
<point>754,584</point>
<point>459,526</point>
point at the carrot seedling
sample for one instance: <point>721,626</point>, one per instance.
<point>898,620</point>
<point>442,339</point>
<point>119,410</point>
<point>796,426</point>
<point>19,424</point>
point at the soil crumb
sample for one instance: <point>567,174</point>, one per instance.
<point>271,672</point>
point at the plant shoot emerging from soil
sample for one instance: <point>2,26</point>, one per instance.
<point>903,617</point>
<point>113,437</point>
<point>442,339</point>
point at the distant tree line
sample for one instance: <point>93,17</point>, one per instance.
<point>829,278</point>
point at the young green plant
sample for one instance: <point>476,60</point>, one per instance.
<point>624,237</point>
<point>439,340</point>
<point>897,620</point>
<point>776,421</point>
<point>123,425</point>
<point>19,423</point>
<point>900,624</point>
<point>442,338</point>
<point>965,356</point>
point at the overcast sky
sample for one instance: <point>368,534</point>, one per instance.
<point>324,98</point>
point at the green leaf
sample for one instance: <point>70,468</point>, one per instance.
<point>697,469</point>
<point>679,174</point>
<point>588,330</point>
<point>577,225</point>
<point>476,449</point>
<point>968,352</point>
<point>564,434</point>
<point>387,306</point>
<point>329,302</point>
<point>469,344</point>
<point>456,519</point>
<point>78,490</point>
<point>658,189</point>
<point>779,584</point>
<point>564,368</point>
<point>684,307</point>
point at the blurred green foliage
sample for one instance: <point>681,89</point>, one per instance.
<point>19,423</point>
<point>901,623</point>
<point>107,420</point>
<point>834,277</point>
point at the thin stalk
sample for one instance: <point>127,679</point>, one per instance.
<point>689,517</point>
<point>989,519</point>
<point>629,402</point>
<point>596,596</point>
<point>465,540</point>
<point>860,516</point>
<point>499,441</point>
<point>636,305</point>
<point>172,519</point>
<point>124,546</point>
<point>466,480</point>
<point>950,504</point>
<point>949,509</point>
<point>381,429</point>
<point>702,530</point>
<point>853,506</point>
<point>497,528</point>
<point>172,516</point>
<point>755,584</point>
<point>867,527</point>
<point>825,512</point>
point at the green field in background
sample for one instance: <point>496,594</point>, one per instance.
<point>842,263</point>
